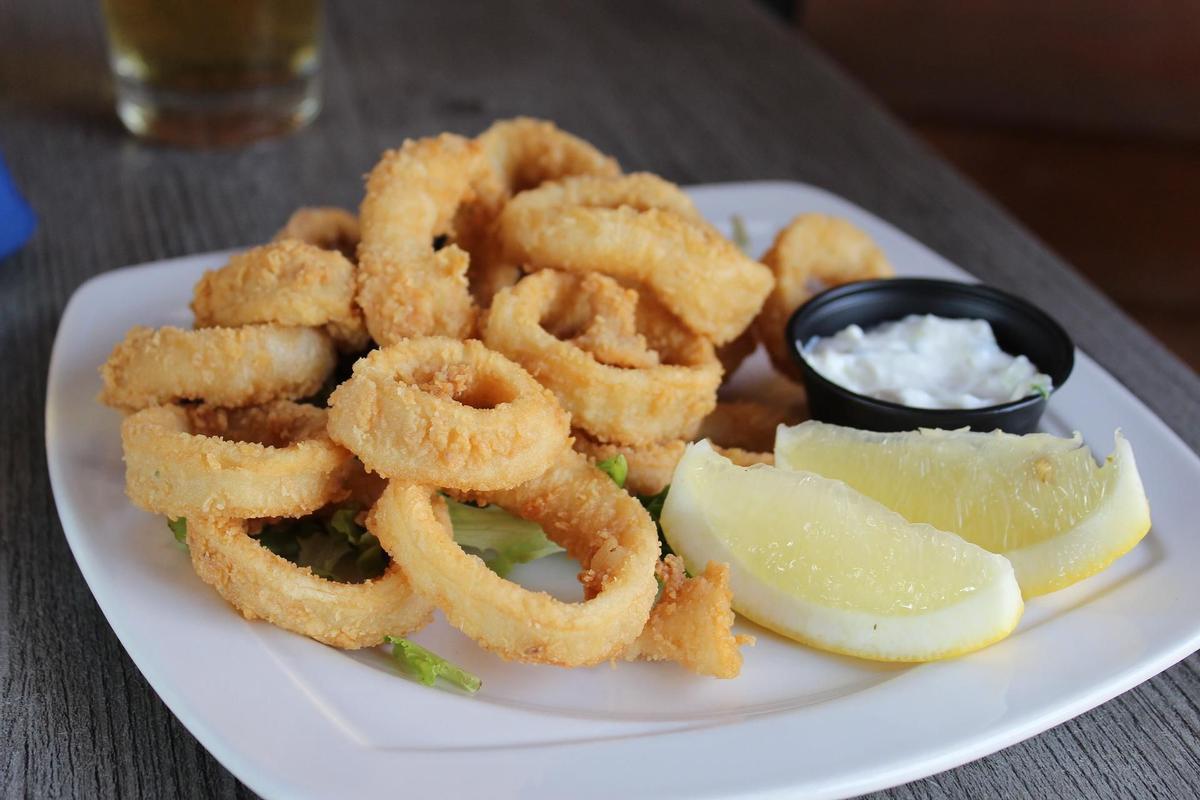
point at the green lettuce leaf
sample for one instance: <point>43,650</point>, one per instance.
<point>616,468</point>
<point>427,666</point>
<point>654,505</point>
<point>333,545</point>
<point>179,528</point>
<point>740,237</point>
<point>496,536</point>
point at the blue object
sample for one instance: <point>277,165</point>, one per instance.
<point>16,217</point>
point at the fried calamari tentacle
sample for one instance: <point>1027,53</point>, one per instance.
<point>446,413</point>
<point>262,585</point>
<point>700,276</point>
<point>813,252</point>
<point>603,528</point>
<point>612,402</point>
<point>224,366</point>
<point>326,227</point>
<point>691,622</point>
<point>251,462</point>
<point>748,424</point>
<point>406,287</point>
<point>286,282</point>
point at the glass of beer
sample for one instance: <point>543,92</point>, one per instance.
<point>215,72</point>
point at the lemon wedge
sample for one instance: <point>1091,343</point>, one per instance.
<point>1039,500</point>
<point>816,561</point>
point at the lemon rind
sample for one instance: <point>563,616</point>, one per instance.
<point>1110,531</point>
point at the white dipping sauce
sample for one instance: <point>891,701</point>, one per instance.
<point>925,361</point>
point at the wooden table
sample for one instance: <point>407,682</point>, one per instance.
<point>696,91</point>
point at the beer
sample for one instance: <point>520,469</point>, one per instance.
<point>215,72</point>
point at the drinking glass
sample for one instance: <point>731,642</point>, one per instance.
<point>215,72</point>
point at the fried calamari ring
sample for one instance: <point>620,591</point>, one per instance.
<point>612,402</point>
<point>262,585</point>
<point>286,282</point>
<point>691,622</point>
<point>522,153</point>
<point>447,413</point>
<point>812,253</point>
<point>230,367</point>
<point>326,227</point>
<point>700,276</point>
<point>406,287</point>
<point>606,530</point>
<point>638,190</point>
<point>748,424</point>
<point>263,461</point>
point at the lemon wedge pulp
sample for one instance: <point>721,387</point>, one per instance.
<point>1038,499</point>
<point>816,561</point>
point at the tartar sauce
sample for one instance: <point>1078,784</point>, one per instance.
<point>926,361</point>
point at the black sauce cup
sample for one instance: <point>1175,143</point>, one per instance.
<point>1021,328</point>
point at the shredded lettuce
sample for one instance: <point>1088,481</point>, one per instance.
<point>616,468</point>
<point>179,528</point>
<point>333,546</point>
<point>496,536</point>
<point>740,237</point>
<point>427,666</point>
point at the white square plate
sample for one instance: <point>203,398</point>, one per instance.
<point>293,718</point>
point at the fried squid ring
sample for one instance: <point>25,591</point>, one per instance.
<point>286,282</point>
<point>326,227</point>
<point>265,461</point>
<point>700,276</point>
<point>812,253</point>
<point>611,401</point>
<point>406,287</point>
<point>262,585</point>
<point>638,190</point>
<point>692,622</point>
<point>606,530</point>
<point>522,154</point>
<point>224,366</point>
<point>446,413</point>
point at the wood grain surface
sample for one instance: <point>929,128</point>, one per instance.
<point>699,92</point>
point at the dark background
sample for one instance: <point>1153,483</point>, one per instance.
<point>1082,117</point>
